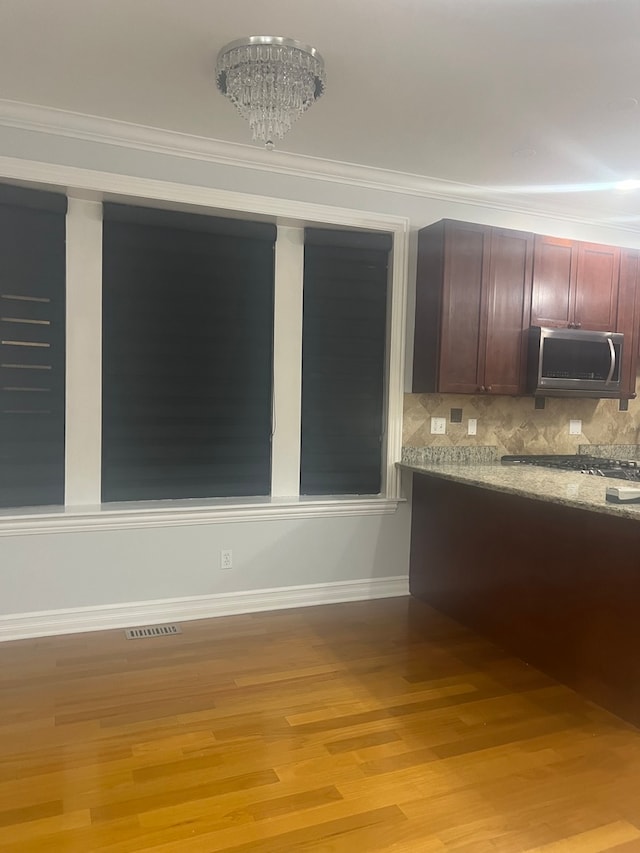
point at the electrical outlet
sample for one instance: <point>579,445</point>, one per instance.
<point>226,558</point>
<point>575,427</point>
<point>438,426</point>
<point>472,426</point>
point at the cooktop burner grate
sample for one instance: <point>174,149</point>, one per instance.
<point>621,469</point>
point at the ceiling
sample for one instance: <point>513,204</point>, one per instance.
<point>537,97</point>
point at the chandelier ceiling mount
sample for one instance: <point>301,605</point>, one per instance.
<point>271,81</point>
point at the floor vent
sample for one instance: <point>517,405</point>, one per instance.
<point>152,631</point>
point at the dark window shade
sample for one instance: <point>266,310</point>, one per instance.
<point>333,239</point>
<point>187,358</point>
<point>193,222</point>
<point>344,332</point>
<point>32,347</point>
<point>51,202</point>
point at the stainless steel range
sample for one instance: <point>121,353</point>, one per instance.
<point>619,469</point>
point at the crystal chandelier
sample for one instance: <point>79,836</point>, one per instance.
<point>271,81</point>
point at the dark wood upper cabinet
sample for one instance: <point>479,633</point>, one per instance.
<point>588,286</point>
<point>596,290</point>
<point>553,271</point>
<point>508,294</point>
<point>575,284</point>
<point>479,289</point>
<point>473,291</point>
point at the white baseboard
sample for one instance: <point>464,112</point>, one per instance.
<point>47,623</point>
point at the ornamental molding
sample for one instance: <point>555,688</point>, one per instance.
<point>105,131</point>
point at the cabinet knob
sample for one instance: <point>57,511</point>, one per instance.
<point>488,389</point>
<point>577,325</point>
<point>571,325</point>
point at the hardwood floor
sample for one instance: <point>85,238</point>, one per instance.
<point>350,728</point>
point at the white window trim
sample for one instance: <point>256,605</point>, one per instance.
<point>125,516</point>
<point>86,190</point>
<point>83,372</point>
<point>287,362</point>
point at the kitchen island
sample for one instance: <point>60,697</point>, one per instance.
<point>539,562</point>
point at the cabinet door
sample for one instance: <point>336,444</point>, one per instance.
<point>461,307</point>
<point>553,274</point>
<point>506,301</point>
<point>596,287</point>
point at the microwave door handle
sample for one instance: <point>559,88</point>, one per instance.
<point>612,350</point>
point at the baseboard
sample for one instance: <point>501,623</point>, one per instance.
<point>78,619</point>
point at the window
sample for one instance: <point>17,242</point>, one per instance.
<point>187,355</point>
<point>344,333</point>
<point>171,358</point>
<point>32,343</point>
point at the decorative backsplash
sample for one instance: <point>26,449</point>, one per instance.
<point>513,425</point>
<point>451,455</point>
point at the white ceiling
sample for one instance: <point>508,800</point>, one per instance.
<point>462,90</point>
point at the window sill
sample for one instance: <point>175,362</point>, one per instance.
<point>126,516</point>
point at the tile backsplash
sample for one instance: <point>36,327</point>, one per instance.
<point>513,425</point>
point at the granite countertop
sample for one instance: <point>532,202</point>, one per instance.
<point>562,487</point>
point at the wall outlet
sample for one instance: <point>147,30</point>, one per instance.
<point>438,426</point>
<point>472,426</point>
<point>226,558</point>
<point>575,427</point>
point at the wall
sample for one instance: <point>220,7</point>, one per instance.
<point>513,425</point>
<point>112,567</point>
<point>109,568</point>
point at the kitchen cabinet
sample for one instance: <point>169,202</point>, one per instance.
<point>554,584</point>
<point>589,286</point>
<point>575,284</point>
<point>472,300</point>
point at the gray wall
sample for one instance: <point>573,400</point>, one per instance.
<point>58,571</point>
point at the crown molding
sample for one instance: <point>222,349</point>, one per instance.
<point>159,141</point>
<point>106,131</point>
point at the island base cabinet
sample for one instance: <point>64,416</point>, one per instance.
<point>557,586</point>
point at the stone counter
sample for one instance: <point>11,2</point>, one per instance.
<point>581,491</point>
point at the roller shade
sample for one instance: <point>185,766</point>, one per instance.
<point>344,332</point>
<point>32,347</point>
<point>187,355</point>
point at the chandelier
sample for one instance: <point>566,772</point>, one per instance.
<point>271,81</point>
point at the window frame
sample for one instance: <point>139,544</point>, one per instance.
<point>86,190</point>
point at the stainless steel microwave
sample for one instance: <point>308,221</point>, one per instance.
<point>574,362</point>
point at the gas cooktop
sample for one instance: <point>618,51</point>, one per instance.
<point>620,469</point>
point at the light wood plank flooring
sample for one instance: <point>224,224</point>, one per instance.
<point>350,728</point>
